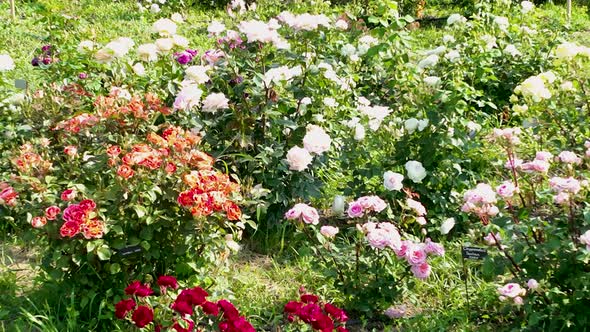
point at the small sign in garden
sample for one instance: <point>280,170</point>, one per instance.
<point>474,252</point>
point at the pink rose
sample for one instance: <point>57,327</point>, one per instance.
<point>511,290</point>
<point>415,255</point>
<point>506,189</point>
<point>329,231</point>
<point>433,248</point>
<point>416,206</point>
<point>532,284</point>
<point>52,212</point>
<point>489,239</point>
<point>569,157</point>
<point>421,271</point>
<point>535,166</point>
<point>355,209</point>
<point>38,222</point>
<point>544,156</point>
<point>310,215</point>
<point>68,195</point>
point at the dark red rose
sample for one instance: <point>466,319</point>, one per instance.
<point>190,325</point>
<point>323,323</point>
<point>182,305</point>
<point>341,329</point>
<point>309,298</point>
<point>293,307</point>
<point>185,198</point>
<point>168,281</point>
<point>74,213</point>
<point>242,325</point>
<point>142,316</point>
<point>229,310</point>
<point>130,290</point>
<point>88,205</point>
<point>335,312</point>
<point>136,288</point>
<point>123,307</point>
<point>210,308</point>
<point>310,312</point>
<point>69,229</point>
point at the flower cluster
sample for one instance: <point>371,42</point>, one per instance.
<point>120,103</point>
<point>48,56</point>
<point>303,212</point>
<point>209,192</point>
<point>81,217</point>
<point>29,162</point>
<point>481,201</point>
<point>322,317</point>
<point>184,306</point>
<point>364,205</point>
<point>315,141</point>
<point>512,291</point>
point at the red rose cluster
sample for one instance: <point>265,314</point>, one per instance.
<point>185,303</point>
<point>310,311</point>
<point>209,192</point>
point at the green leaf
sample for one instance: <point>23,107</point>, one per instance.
<point>104,253</point>
<point>115,268</point>
<point>140,210</point>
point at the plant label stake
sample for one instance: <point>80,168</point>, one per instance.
<point>470,253</point>
<point>20,84</point>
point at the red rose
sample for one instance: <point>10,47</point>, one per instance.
<point>195,296</point>
<point>168,281</point>
<point>309,298</point>
<point>229,310</point>
<point>310,312</point>
<point>341,329</point>
<point>190,325</point>
<point>136,288</point>
<point>125,172</point>
<point>293,307</point>
<point>142,316</point>
<point>185,198</point>
<point>69,229</point>
<point>52,212</point>
<point>68,195</point>
<point>124,307</point>
<point>232,210</point>
<point>182,305</point>
<point>8,196</point>
<point>335,312</point>
<point>323,323</point>
<point>88,205</point>
<point>74,213</point>
<point>210,308</point>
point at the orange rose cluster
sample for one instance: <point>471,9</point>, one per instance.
<point>209,192</point>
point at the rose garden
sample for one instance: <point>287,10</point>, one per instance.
<point>294,166</point>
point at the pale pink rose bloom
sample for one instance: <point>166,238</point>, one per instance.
<point>393,181</point>
<point>588,153</point>
<point>544,156</point>
<point>368,227</point>
<point>388,226</point>
<point>514,163</point>
<point>490,210</point>
<point>365,202</point>
<point>506,189</point>
<point>355,209</point>
<point>508,134</point>
<point>415,254</point>
<point>421,221</point>
<point>298,158</point>
<point>295,211</point>
<point>433,248</point>
<point>316,140</point>
<point>535,166</point>
<point>329,231</point>
<point>511,290</point>
<point>416,206</point>
<point>489,239</point>
<point>421,271</point>
<point>379,238</point>
<point>562,198</point>
<point>377,204</point>
<point>532,284</point>
<point>585,239</point>
<point>587,144</point>
<point>395,312</point>
<point>502,298</point>
<point>518,300</point>
<point>481,194</point>
<point>569,185</point>
<point>310,215</point>
<point>569,157</point>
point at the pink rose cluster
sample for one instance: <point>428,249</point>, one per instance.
<point>303,212</point>
<point>419,209</point>
<point>8,195</point>
<point>506,189</point>
<point>540,164</point>
<point>481,201</point>
<point>564,187</point>
<point>385,235</point>
<point>364,205</point>
<point>512,291</point>
<point>508,135</point>
<point>316,141</point>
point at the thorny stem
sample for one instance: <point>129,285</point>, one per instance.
<point>516,267</point>
<point>514,176</point>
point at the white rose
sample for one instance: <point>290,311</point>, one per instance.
<point>6,62</point>
<point>215,28</point>
<point>316,140</point>
<point>411,125</point>
<point>180,41</point>
<point>447,225</point>
<point>456,19</point>
<point>341,24</point>
<point>429,61</point>
<point>423,123</point>
<point>359,132</point>
<point>164,27</point>
<point>85,46</point>
<point>214,102</point>
<point>393,181</point>
<point>432,81</point>
<point>453,56</point>
<point>147,52</point>
<point>416,171</point>
<point>330,102</point>
<point>154,8</point>
<point>164,44</point>
<point>526,6</point>
<point>197,74</point>
<point>177,18</point>
<point>139,69</point>
<point>298,158</point>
